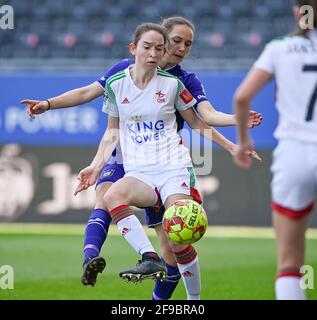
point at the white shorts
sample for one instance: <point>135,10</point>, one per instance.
<point>170,182</point>
<point>294,184</point>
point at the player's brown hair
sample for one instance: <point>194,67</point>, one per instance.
<point>169,23</point>
<point>313,4</point>
<point>145,27</point>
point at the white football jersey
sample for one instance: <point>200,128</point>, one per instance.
<point>293,62</point>
<point>147,120</point>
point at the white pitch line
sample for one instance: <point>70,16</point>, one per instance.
<point>78,229</point>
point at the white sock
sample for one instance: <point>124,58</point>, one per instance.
<point>288,288</point>
<point>191,277</point>
<point>133,231</point>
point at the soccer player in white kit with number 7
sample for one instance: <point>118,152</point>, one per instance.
<point>292,60</point>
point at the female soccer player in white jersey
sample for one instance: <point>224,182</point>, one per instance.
<point>141,103</point>
<point>292,60</point>
<point>180,35</point>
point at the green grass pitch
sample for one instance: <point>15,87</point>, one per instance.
<point>236,263</point>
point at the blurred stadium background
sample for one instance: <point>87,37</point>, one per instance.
<point>59,45</point>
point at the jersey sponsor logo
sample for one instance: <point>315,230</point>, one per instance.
<point>146,131</point>
<point>125,101</point>
<point>201,96</point>
<point>160,96</point>
<point>186,96</point>
<point>136,118</point>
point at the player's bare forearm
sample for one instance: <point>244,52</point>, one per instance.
<point>68,99</point>
<point>203,129</point>
<point>212,134</point>
<point>219,119</point>
<point>242,110</point>
<point>213,117</point>
<point>77,96</point>
<point>108,143</point>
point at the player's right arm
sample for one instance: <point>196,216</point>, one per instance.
<point>76,96</point>
<point>88,176</point>
<point>68,99</point>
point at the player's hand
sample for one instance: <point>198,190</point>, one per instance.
<point>255,119</point>
<point>244,153</point>
<point>34,107</point>
<point>87,178</point>
<point>253,154</point>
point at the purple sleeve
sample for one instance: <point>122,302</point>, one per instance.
<point>196,88</point>
<point>123,64</point>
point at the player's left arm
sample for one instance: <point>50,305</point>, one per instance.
<point>220,119</point>
<point>212,134</point>
<point>207,111</point>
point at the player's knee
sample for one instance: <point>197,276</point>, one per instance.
<point>114,198</point>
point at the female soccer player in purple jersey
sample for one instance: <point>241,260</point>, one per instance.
<point>292,60</point>
<point>180,36</point>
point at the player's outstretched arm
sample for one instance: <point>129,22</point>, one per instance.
<point>253,83</point>
<point>219,119</point>
<point>212,134</point>
<point>68,99</point>
<point>88,176</point>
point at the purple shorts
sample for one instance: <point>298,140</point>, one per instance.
<point>113,172</point>
<point>153,217</point>
<point>110,173</point>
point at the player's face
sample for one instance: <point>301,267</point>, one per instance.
<point>149,50</point>
<point>180,41</point>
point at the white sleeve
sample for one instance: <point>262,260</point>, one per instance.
<point>266,59</point>
<point>183,100</point>
<point>109,102</point>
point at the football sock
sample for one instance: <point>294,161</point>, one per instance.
<point>287,286</point>
<point>96,232</point>
<point>188,265</point>
<point>164,289</point>
<point>131,229</point>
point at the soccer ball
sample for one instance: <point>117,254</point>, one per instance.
<point>185,222</point>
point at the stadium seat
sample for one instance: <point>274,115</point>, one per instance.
<point>104,28</point>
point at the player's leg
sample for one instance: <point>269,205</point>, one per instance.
<point>164,289</point>
<point>293,194</point>
<point>181,184</point>
<point>290,237</point>
<point>98,224</point>
<point>187,258</point>
<point>126,192</point>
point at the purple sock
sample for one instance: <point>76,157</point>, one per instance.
<point>96,233</point>
<point>164,289</point>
